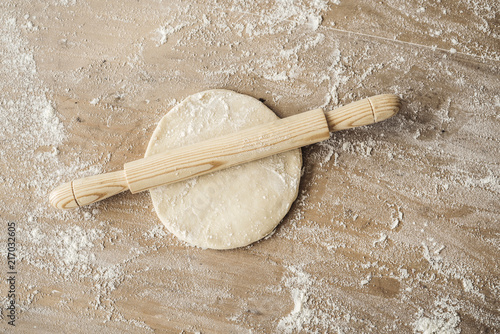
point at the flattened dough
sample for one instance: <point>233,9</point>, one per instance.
<point>233,207</point>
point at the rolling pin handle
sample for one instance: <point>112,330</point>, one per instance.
<point>364,112</point>
<point>88,190</point>
<point>62,197</point>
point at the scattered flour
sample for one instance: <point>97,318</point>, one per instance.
<point>162,33</point>
<point>299,284</point>
<point>434,243</point>
<point>381,239</point>
<point>444,319</point>
<point>397,216</point>
<point>70,250</point>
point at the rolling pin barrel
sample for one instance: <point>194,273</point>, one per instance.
<point>227,151</point>
<point>223,152</point>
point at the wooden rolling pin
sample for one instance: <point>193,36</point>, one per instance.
<point>218,153</point>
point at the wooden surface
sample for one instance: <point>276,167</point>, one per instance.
<point>396,228</point>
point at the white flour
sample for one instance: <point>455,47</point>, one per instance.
<point>396,224</point>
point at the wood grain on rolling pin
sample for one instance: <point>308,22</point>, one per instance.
<point>218,153</point>
<point>230,150</point>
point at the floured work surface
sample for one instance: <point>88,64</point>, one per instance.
<point>396,224</point>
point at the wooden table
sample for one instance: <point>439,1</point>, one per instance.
<point>396,228</point>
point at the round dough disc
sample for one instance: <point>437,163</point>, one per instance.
<point>232,207</point>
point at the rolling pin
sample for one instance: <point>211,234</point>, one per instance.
<point>223,152</point>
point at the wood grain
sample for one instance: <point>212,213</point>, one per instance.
<point>223,152</point>
<point>230,150</point>
<point>364,112</point>
<point>396,224</point>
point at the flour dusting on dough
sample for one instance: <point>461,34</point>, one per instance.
<point>232,207</point>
